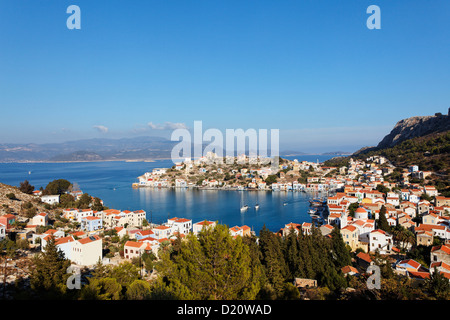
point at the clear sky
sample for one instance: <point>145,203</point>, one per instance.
<point>310,68</point>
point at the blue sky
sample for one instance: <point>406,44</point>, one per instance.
<point>310,68</point>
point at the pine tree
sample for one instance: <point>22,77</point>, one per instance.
<point>50,275</point>
<point>210,266</point>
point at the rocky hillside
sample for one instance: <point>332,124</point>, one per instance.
<point>415,127</point>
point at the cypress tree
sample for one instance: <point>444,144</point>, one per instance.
<point>273,260</point>
<point>341,255</point>
<point>382,220</point>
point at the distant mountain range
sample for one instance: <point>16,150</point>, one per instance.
<point>138,148</point>
<point>89,150</point>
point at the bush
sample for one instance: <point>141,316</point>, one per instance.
<point>11,196</point>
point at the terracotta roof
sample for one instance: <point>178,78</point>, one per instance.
<point>133,244</point>
<point>88,239</point>
<point>411,262</point>
<point>444,248</point>
<point>348,269</point>
<point>349,228</point>
<point>64,240</point>
<point>364,256</point>
<point>419,275</point>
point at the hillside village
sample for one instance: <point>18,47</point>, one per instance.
<point>374,214</point>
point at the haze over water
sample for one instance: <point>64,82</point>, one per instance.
<point>111,181</point>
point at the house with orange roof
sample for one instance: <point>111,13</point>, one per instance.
<point>326,229</point>
<point>349,270</point>
<point>380,241</point>
<point>78,234</point>
<point>364,260</point>
<point>181,225</point>
<point>424,238</point>
<point>430,218</point>
<point>134,249</point>
<point>306,228</point>
<point>408,265</point>
<point>87,251</point>
<point>240,231</point>
<point>162,231</point>
<point>197,227</point>
<point>350,235</point>
<point>440,231</point>
<point>290,227</point>
<point>41,219</point>
<point>91,224</point>
<point>440,253</point>
<point>64,244</point>
<point>144,234</point>
<point>441,201</point>
<point>440,266</point>
<point>7,220</point>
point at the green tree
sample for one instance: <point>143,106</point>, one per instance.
<point>101,289</point>
<point>438,285</point>
<point>273,261</point>
<point>97,204</point>
<point>382,222</point>
<point>271,179</point>
<point>125,273</point>
<point>340,253</point>
<point>210,266</point>
<point>59,186</point>
<point>49,275</point>
<point>383,188</point>
<point>84,201</point>
<point>138,290</point>
<point>26,187</point>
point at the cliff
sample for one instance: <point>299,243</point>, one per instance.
<point>415,127</point>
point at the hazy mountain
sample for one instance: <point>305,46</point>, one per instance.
<point>89,150</point>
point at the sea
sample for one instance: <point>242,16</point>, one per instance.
<point>112,182</point>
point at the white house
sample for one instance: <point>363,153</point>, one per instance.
<point>180,225</point>
<point>381,241</point>
<point>50,199</point>
<point>162,232</point>
<point>65,246</point>
<point>87,251</point>
<point>91,224</point>
<point>40,219</point>
<point>197,227</point>
<point>393,200</point>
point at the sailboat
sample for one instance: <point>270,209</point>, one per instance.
<point>256,206</point>
<point>243,207</point>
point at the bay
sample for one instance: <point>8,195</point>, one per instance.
<point>111,181</point>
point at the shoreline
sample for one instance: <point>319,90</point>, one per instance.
<point>87,161</point>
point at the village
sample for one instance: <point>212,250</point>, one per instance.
<point>374,215</point>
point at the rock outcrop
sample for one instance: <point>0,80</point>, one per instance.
<point>415,127</point>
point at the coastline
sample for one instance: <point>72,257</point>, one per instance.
<point>87,161</point>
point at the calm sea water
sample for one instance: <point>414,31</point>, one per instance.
<point>111,181</point>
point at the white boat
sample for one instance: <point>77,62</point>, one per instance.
<point>244,208</point>
<point>257,207</point>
